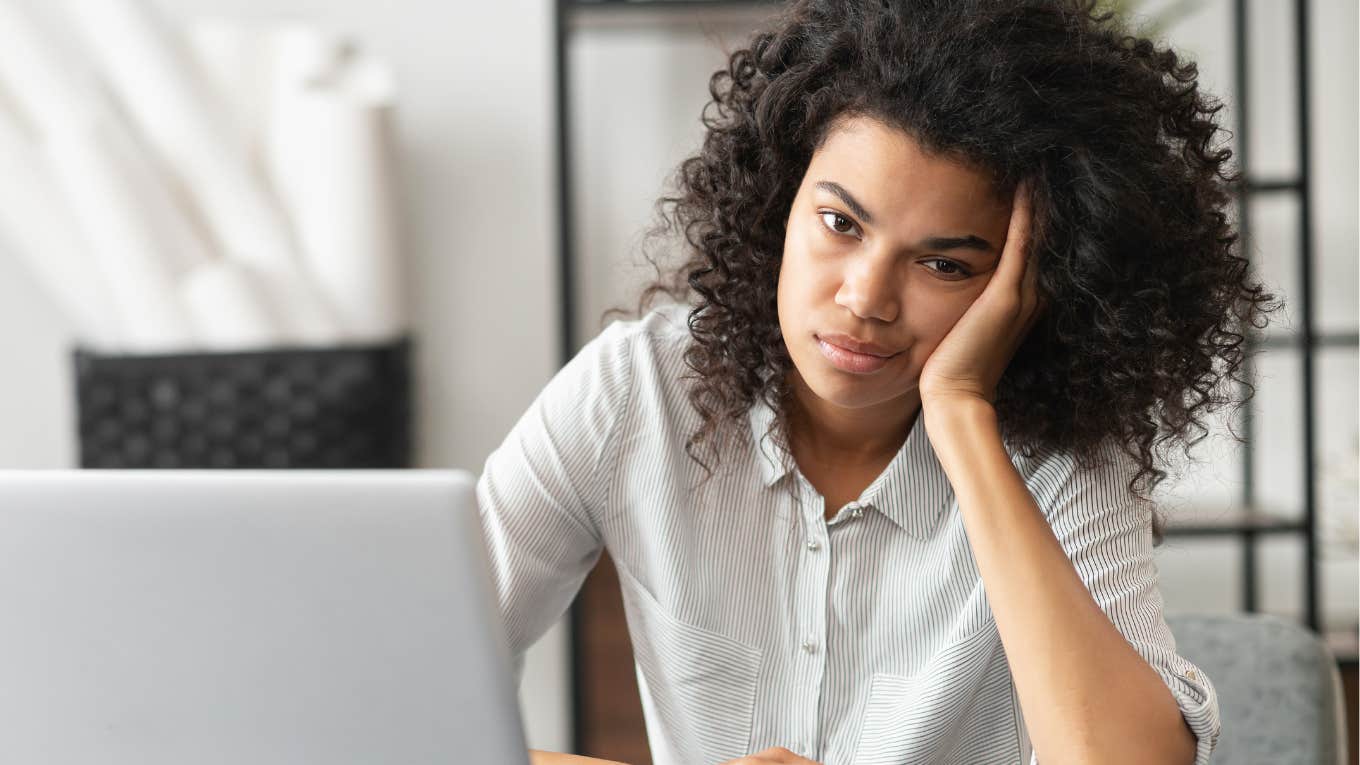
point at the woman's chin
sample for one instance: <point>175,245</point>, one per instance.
<point>854,391</point>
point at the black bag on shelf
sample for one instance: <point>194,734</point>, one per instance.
<point>339,407</point>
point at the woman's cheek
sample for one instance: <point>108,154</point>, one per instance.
<point>810,277</point>
<point>931,313</point>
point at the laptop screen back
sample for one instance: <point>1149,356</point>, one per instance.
<point>249,617</point>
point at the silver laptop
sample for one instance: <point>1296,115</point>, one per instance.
<point>249,617</point>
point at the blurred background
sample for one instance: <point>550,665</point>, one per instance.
<point>497,163</point>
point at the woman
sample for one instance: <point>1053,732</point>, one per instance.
<point>877,486</point>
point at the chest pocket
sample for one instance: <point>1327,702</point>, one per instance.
<point>958,709</point>
<point>701,684</point>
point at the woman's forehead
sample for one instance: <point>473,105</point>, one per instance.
<point>894,178</point>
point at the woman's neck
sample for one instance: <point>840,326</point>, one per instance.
<point>832,434</point>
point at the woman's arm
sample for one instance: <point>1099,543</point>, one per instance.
<point>1087,695</point>
<point>541,490</point>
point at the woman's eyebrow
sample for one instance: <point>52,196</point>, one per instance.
<point>969,242</point>
<point>847,198</point>
<point>937,243</point>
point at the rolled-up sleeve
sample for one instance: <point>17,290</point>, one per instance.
<point>540,491</point>
<point>1106,531</point>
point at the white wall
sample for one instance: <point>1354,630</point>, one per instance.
<point>477,180</point>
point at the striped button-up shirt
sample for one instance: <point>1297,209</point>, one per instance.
<point>757,622</point>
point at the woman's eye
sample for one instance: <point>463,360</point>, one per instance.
<point>948,268</point>
<point>834,221</point>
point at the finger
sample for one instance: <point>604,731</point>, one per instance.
<point>1031,298</point>
<point>1013,261</point>
<point>773,754</point>
<point>781,755</point>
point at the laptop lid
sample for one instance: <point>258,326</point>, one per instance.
<point>249,617</point>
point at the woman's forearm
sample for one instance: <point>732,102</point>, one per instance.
<point>1086,693</point>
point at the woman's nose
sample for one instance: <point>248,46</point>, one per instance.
<point>867,288</point>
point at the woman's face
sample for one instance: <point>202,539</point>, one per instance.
<point>886,246</point>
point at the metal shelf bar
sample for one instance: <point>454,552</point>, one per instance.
<point>1291,341</point>
<point>1293,185</point>
<point>566,255</point>
<point>1238,521</point>
<point>1302,108</point>
<point>1241,27</point>
<point>1194,530</point>
<point>566,340</point>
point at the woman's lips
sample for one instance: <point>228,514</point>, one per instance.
<point>849,361</point>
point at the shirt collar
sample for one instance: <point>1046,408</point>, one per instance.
<point>913,491</point>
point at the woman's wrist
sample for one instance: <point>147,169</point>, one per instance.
<point>960,429</point>
<point>949,410</point>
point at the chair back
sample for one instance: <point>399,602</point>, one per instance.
<point>1279,691</point>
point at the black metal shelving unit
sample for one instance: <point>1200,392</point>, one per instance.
<point>1249,523</point>
<point>1299,186</point>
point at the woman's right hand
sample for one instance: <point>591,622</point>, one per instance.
<point>773,755</point>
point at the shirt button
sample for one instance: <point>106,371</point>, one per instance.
<point>810,646</point>
<point>814,545</point>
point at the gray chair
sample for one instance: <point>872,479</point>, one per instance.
<point>1279,691</point>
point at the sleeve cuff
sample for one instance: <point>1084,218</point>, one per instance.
<point>1199,706</point>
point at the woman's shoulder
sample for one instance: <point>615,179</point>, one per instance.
<point>654,341</point>
<point>1064,477</point>
<point>668,322</point>
<point>640,360</point>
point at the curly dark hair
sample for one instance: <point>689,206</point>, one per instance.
<point>1149,298</point>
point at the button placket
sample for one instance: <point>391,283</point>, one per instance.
<point>810,659</point>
